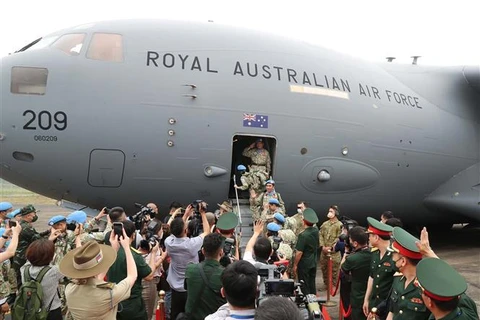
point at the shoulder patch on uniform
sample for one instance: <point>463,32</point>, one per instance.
<point>135,250</point>
<point>398,274</point>
<point>106,285</point>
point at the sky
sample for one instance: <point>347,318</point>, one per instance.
<point>442,32</point>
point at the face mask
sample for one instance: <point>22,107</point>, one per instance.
<point>330,215</point>
<point>35,218</point>
<point>299,210</point>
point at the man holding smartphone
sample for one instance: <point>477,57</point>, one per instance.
<point>133,307</point>
<point>182,251</point>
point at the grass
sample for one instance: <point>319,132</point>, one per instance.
<point>19,196</point>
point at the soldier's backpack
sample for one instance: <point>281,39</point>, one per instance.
<point>28,304</point>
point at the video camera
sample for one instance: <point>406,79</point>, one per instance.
<point>271,286</point>
<point>197,225</point>
<point>151,234</point>
<point>347,225</point>
<point>145,214</point>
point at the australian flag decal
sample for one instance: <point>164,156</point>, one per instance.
<point>255,120</point>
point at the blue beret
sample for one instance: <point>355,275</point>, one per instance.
<point>269,181</point>
<point>12,214</point>
<point>241,167</point>
<point>278,216</point>
<point>4,206</point>
<point>272,226</point>
<point>2,231</point>
<point>274,201</point>
<point>56,219</point>
<point>77,217</point>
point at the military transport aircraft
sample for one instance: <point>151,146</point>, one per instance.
<point>117,112</point>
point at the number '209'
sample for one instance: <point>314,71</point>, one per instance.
<point>45,120</point>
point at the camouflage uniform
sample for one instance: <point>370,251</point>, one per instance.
<point>260,159</point>
<point>295,223</point>
<point>98,236</point>
<point>262,200</point>
<point>27,236</point>
<point>8,282</point>
<point>253,181</point>
<point>63,244</point>
<point>329,233</point>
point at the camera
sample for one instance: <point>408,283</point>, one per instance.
<point>271,286</point>
<point>142,216</point>
<point>71,226</point>
<point>196,222</point>
<point>152,233</point>
<point>12,223</point>
<point>228,247</point>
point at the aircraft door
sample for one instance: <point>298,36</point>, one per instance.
<point>239,143</point>
<point>106,168</point>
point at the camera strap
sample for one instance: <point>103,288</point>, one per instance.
<point>205,281</point>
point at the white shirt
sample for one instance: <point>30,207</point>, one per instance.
<point>182,251</point>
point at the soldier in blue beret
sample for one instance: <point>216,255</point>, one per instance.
<point>262,201</point>
<point>64,239</point>
<point>5,209</point>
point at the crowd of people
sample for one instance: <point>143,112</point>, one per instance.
<point>112,266</point>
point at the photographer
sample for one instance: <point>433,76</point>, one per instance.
<point>356,269</point>
<point>203,280</point>
<point>182,251</point>
<point>174,209</point>
<point>133,307</point>
<point>154,259</point>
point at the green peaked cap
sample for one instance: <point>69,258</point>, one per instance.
<point>310,215</point>
<point>227,221</point>
<point>440,280</point>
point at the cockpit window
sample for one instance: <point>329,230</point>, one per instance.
<point>26,80</point>
<point>106,47</point>
<point>70,43</point>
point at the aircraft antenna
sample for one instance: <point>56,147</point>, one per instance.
<point>415,59</point>
<point>390,59</point>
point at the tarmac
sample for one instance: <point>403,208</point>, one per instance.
<point>459,247</point>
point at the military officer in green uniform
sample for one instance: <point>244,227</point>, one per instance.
<point>65,240</point>
<point>442,289</point>
<point>381,267</point>
<point>260,157</point>
<point>356,268</point>
<point>305,263</point>
<point>226,225</point>
<point>405,300</point>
